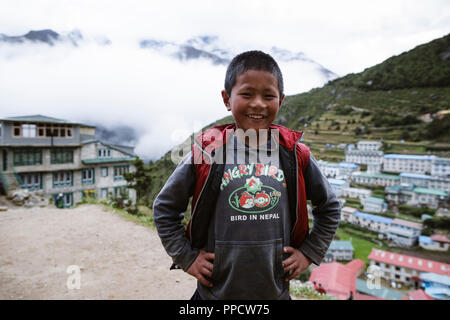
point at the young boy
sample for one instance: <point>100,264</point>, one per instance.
<point>250,181</point>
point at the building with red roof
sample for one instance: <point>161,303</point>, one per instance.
<point>403,268</point>
<point>418,295</point>
<point>357,266</point>
<point>336,279</point>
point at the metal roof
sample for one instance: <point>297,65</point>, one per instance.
<point>409,262</point>
<point>433,277</point>
<point>383,292</point>
<point>414,175</point>
<point>38,118</point>
<point>376,175</point>
<point>433,192</point>
<point>408,156</point>
<point>341,245</point>
<point>374,200</point>
<point>337,181</point>
<point>107,160</point>
<point>372,217</point>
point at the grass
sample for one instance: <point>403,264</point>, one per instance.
<point>308,293</point>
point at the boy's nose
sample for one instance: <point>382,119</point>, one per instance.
<point>257,102</point>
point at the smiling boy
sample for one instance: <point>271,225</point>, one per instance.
<point>248,234</point>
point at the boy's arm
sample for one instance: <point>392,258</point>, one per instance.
<point>326,212</point>
<point>168,209</point>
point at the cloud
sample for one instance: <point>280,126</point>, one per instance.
<point>163,98</point>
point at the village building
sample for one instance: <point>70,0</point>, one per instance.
<point>436,285</point>
<point>338,185</point>
<point>405,269</point>
<point>442,213</point>
<point>373,204</point>
<point>366,157</point>
<point>403,233</point>
<point>339,250</point>
<point>375,179</point>
<point>420,164</point>
<point>356,193</point>
<point>341,170</point>
<point>61,157</point>
<point>334,279</point>
<point>437,242</point>
<point>347,214</point>
<point>371,221</point>
<point>364,291</point>
<point>440,167</point>
<point>426,181</point>
<point>415,196</point>
<point>369,145</point>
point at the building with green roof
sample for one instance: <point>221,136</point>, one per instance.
<point>61,158</point>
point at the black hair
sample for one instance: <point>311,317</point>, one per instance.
<point>252,60</point>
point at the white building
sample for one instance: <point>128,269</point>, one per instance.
<point>407,163</point>
<point>371,221</point>
<point>440,167</point>
<point>364,157</point>
<point>403,233</point>
<point>342,170</point>
<point>436,242</point>
<point>375,179</point>
<point>347,214</point>
<point>373,204</point>
<point>338,185</point>
<point>403,268</point>
<point>426,181</point>
<point>356,193</point>
<point>369,145</point>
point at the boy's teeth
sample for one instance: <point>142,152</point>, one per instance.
<point>255,116</point>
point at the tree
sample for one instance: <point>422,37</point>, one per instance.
<point>140,180</point>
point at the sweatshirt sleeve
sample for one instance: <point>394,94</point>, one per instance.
<point>168,211</point>
<point>326,213</point>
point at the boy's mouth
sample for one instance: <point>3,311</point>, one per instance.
<point>255,116</point>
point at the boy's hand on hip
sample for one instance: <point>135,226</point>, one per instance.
<point>202,267</point>
<point>296,263</point>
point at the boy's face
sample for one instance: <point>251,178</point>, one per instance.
<point>255,100</point>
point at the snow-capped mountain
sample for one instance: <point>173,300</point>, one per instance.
<point>210,47</point>
<point>52,38</point>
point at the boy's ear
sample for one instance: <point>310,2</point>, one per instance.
<point>281,100</point>
<point>226,100</point>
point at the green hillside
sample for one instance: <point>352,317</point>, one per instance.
<point>385,102</point>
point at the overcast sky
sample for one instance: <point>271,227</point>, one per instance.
<point>122,84</point>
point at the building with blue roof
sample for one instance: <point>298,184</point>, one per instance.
<point>338,185</point>
<point>371,221</point>
<point>410,163</point>
<point>339,250</point>
<point>440,167</point>
<point>379,292</point>
<point>436,285</point>
<point>374,204</point>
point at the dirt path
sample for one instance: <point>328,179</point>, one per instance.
<point>117,258</point>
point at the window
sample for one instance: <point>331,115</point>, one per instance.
<point>119,171</point>
<point>59,156</point>
<point>31,181</point>
<point>104,153</point>
<point>65,201</point>
<point>27,157</point>
<point>17,130</point>
<point>1,129</point>
<point>62,179</point>
<point>88,176</point>
<point>104,171</point>
<point>29,130</point>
